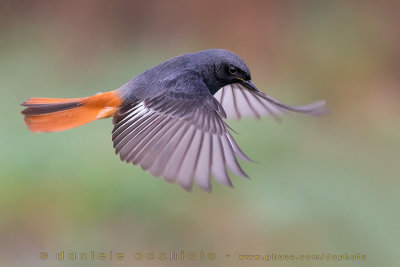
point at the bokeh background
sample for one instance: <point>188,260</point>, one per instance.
<point>321,185</point>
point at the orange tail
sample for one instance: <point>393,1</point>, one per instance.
<point>58,114</point>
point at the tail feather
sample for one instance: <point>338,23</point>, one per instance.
<point>57,114</point>
<point>41,109</point>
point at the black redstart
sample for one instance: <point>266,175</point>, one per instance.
<point>170,119</point>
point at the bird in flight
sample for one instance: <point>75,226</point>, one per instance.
<point>170,119</point>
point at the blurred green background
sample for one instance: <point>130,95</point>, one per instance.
<point>321,185</point>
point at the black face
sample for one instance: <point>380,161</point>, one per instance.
<point>227,73</point>
<point>235,74</point>
<point>221,67</point>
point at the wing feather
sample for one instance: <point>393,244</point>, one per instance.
<point>180,139</point>
<point>218,165</point>
<point>203,167</point>
<point>238,101</point>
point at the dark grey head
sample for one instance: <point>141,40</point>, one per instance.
<point>215,67</point>
<point>220,67</point>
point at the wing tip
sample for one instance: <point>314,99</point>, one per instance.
<point>317,108</point>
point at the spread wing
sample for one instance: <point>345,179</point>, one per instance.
<point>179,137</point>
<point>238,102</point>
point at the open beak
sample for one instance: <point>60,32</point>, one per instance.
<point>248,84</point>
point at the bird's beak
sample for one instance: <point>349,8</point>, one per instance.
<point>248,84</point>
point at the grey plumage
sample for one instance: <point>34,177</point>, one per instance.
<point>171,122</point>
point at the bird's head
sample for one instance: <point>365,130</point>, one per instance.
<point>221,67</point>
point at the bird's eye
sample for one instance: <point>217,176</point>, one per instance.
<point>232,70</point>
